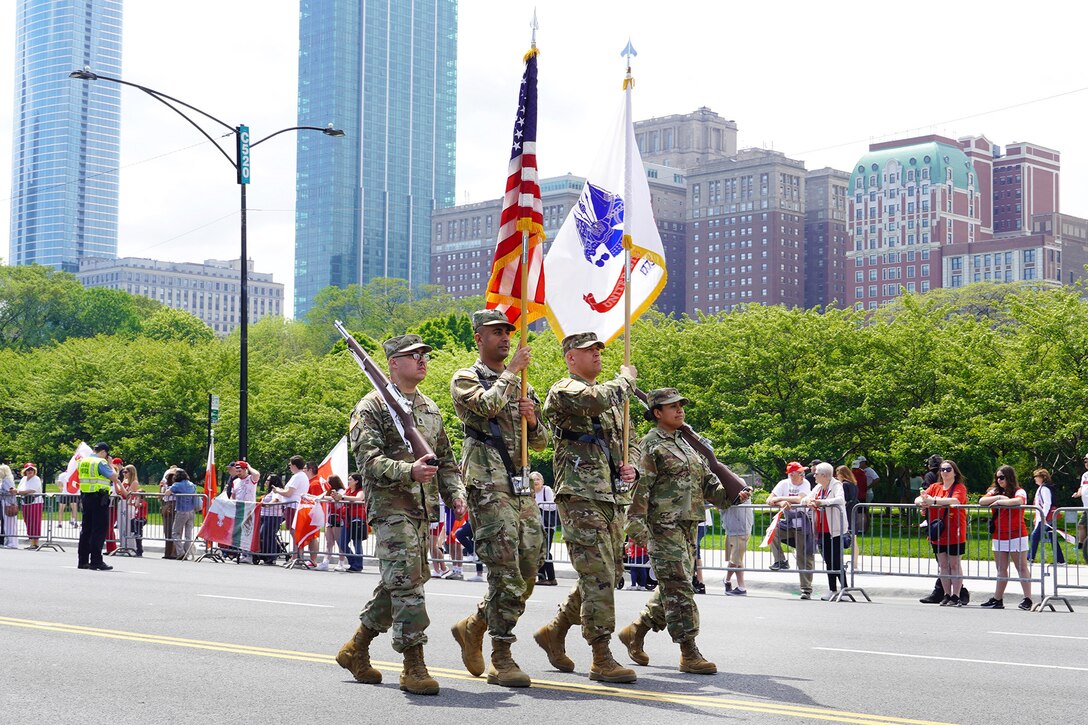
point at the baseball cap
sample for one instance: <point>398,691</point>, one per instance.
<point>794,467</point>
<point>118,461</point>
<point>29,466</point>
<point>581,340</point>
<point>490,318</point>
<point>862,459</point>
<point>239,464</point>
<point>662,396</point>
<point>101,447</point>
<point>404,343</point>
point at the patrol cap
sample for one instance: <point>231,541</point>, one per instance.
<point>101,447</point>
<point>489,318</point>
<point>403,344</point>
<point>581,340</point>
<point>662,396</point>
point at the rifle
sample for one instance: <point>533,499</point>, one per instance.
<point>734,485</point>
<point>420,448</point>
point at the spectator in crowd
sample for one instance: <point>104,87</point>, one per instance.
<point>10,508</point>
<point>298,484</point>
<point>1082,523</point>
<point>1045,509</point>
<point>355,533</point>
<point>549,520</point>
<point>116,499</point>
<point>1009,535</point>
<point>794,527</point>
<point>637,564</point>
<point>737,522</point>
<point>30,489</point>
<point>169,505</point>
<point>244,479</point>
<point>828,504</point>
<point>439,570</point>
<point>453,546</point>
<point>697,583</point>
<point>467,540</point>
<point>125,540</point>
<point>947,528</point>
<point>810,474</point>
<point>67,503</point>
<point>184,512</point>
<point>845,476</point>
<point>271,520</point>
<point>930,477</point>
<point>317,487</point>
<point>136,509</point>
<point>334,525</point>
<point>871,478</point>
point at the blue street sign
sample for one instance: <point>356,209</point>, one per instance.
<point>243,154</point>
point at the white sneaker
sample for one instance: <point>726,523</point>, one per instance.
<point>323,566</point>
<point>475,578</point>
<point>340,567</point>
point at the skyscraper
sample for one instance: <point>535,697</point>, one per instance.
<point>385,71</point>
<point>66,135</point>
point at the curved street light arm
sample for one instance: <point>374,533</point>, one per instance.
<point>327,130</point>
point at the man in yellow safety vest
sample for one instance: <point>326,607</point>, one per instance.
<point>95,476</point>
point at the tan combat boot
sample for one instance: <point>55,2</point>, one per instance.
<point>504,671</point>
<point>633,636</point>
<point>691,660</point>
<point>469,633</point>
<point>552,639</point>
<point>354,657</point>
<point>415,678</point>
<point>604,667</point>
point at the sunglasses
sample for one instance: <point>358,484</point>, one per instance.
<point>415,355</point>
<point>999,477</point>
<point>946,469</point>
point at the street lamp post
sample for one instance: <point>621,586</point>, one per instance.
<point>241,164</point>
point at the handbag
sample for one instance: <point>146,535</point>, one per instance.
<point>11,509</point>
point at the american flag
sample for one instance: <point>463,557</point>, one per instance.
<point>521,211</point>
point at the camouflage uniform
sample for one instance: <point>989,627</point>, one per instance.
<point>667,509</point>
<point>506,527</point>
<point>592,514</point>
<point>400,510</point>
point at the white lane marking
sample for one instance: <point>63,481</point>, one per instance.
<point>267,601</point>
<point>1032,634</point>
<point>952,659</point>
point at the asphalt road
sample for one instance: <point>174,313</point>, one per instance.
<point>163,641</point>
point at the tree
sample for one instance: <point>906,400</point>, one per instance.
<point>103,311</point>
<point>170,325</point>
<point>38,306</point>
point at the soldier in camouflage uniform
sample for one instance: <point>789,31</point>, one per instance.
<point>667,510</point>
<point>592,494</point>
<point>506,525</point>
<point>402,499</point>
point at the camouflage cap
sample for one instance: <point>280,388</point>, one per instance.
<point>659,397</point>
<point>487,318</point>
<point>580,340</point>
<point>404,343</point>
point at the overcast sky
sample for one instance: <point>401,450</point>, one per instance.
<point>818,81</point>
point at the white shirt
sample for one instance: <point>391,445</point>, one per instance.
<point>871,475</point>
<point>298,485</point>
<point>786,488</point>
<point>244,489</point>
<point>545,498</point>
<point>30,484</point>
<point>1042,502</point>
<point>1084,490</point>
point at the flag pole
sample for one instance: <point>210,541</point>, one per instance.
<point>525,224</point>
<point>628,84</point>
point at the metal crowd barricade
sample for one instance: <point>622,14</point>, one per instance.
<point>30,521</point>
<point>893,540</point>
<point>1070,575</point>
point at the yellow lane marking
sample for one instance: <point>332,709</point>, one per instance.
<point>706,701</point>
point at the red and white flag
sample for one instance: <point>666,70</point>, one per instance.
<point>336,463</point>
<point>771,531</point>
<point>309,520</point>
<point>521,212</point>
<point>211,482</point>
<point>231,523</point>
<point>68,482</point>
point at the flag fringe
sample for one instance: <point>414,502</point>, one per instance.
<point>531,53</point>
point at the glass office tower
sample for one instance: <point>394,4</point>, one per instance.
<point>66,133</point>
<point>385,71</point>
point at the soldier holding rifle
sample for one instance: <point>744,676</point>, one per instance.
<point>489,401</point>
<point>667,510</point>
<point>400,445</point>
<point>593,484</point>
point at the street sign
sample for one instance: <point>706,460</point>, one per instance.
<point>215,409</point>
<point>242,134</point>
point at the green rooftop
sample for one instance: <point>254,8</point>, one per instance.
<point>934,155</point>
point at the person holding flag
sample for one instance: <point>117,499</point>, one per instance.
<point>95,478</point>
<point>402,493</point>
<point>488,399</point>
<point>593,484</point>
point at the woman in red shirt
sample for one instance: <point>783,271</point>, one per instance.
<point>947,528</point>
<point>1010,535</point>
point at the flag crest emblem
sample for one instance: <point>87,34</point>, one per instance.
<point>599,221</point>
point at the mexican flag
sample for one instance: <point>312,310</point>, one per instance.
<point>68,482</point>
<point>231,523</point>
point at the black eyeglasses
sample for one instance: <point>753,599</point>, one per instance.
<point>999,477</point>
<point>946,469</point>
<point>417,356</point>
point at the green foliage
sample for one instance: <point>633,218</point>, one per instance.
<point>447,332</point>
<point>38,306</point>
<point>170,325</point>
